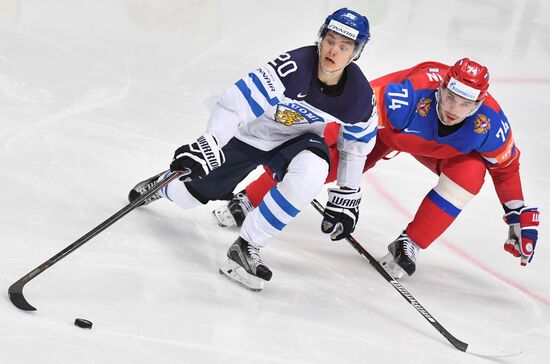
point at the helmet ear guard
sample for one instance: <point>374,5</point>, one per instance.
<point>358,50</point>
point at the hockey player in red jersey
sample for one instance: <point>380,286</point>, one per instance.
<point>445,118</point>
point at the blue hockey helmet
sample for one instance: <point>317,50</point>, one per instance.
<point>349,24</point>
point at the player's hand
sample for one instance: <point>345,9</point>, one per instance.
<point>341,213</point>
<point>201,157</point>
<point>522,233</point>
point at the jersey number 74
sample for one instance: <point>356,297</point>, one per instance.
<point>397,103</point>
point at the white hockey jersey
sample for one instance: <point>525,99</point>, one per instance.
<point>283,99</point>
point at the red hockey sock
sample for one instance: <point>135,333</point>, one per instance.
<point>257,189</point>
<point>429,223</point>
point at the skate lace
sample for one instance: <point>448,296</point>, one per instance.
<point>254,254</point>
<point>410,249</point>
<point>244,201</point>
<point>146,187</point>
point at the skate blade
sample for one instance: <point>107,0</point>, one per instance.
<point>238,274</point>
<point>391,267</point>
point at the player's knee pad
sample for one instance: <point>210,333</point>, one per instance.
<point>305,176</point>
<point>303,180</point>
<point>467,171</point>
<point>451,193</point>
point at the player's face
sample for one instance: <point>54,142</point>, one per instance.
<point>454,108</point>
<point>336,52</point>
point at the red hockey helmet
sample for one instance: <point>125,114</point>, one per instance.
<point>468,79</point>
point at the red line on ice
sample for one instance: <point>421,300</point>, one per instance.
<point>399,207</point>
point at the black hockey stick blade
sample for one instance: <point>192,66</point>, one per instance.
<point>16,297</point>
<point>479,350</point>
<point>15,291</point>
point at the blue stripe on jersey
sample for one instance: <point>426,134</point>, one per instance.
<point>274,101</point>
<point>283,202</point>
<point>443,204</point>
<point>353,128</point>
<point>365,138</point>
<point>256,108</point>
<point>270,218</point>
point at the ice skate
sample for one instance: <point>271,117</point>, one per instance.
<point>234,212</point>
<point>144,186</point>
<point>402,257</point>
<point>244,266</point>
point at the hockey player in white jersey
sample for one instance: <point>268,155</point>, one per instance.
<point>276,116</point>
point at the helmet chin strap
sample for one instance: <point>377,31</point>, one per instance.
<point>437,102</point>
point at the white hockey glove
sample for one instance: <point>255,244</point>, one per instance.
<point>522,233</point>
<point>341,213</point>
<point>201,157</point>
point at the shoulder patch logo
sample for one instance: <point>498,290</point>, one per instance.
<point>482,124</point>
<point>423,106</point>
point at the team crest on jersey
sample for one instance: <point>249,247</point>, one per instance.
<point>423,106</point>
<point>293,114</point>
<point>482,124</point>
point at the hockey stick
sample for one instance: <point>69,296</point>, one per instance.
<point>479,350</point>
<point>16,290</point>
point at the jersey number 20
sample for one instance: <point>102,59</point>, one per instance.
<point>283,65</point>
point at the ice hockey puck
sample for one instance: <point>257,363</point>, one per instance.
<point>83,323</point>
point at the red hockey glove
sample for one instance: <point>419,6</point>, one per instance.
<point>522,233</point>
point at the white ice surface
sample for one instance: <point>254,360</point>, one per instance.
<point>96,95</point>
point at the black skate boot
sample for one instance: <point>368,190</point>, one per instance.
<point>244,265</point>
<point>234,212</point>
<point>143,187</point>
<point>402,256</point>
